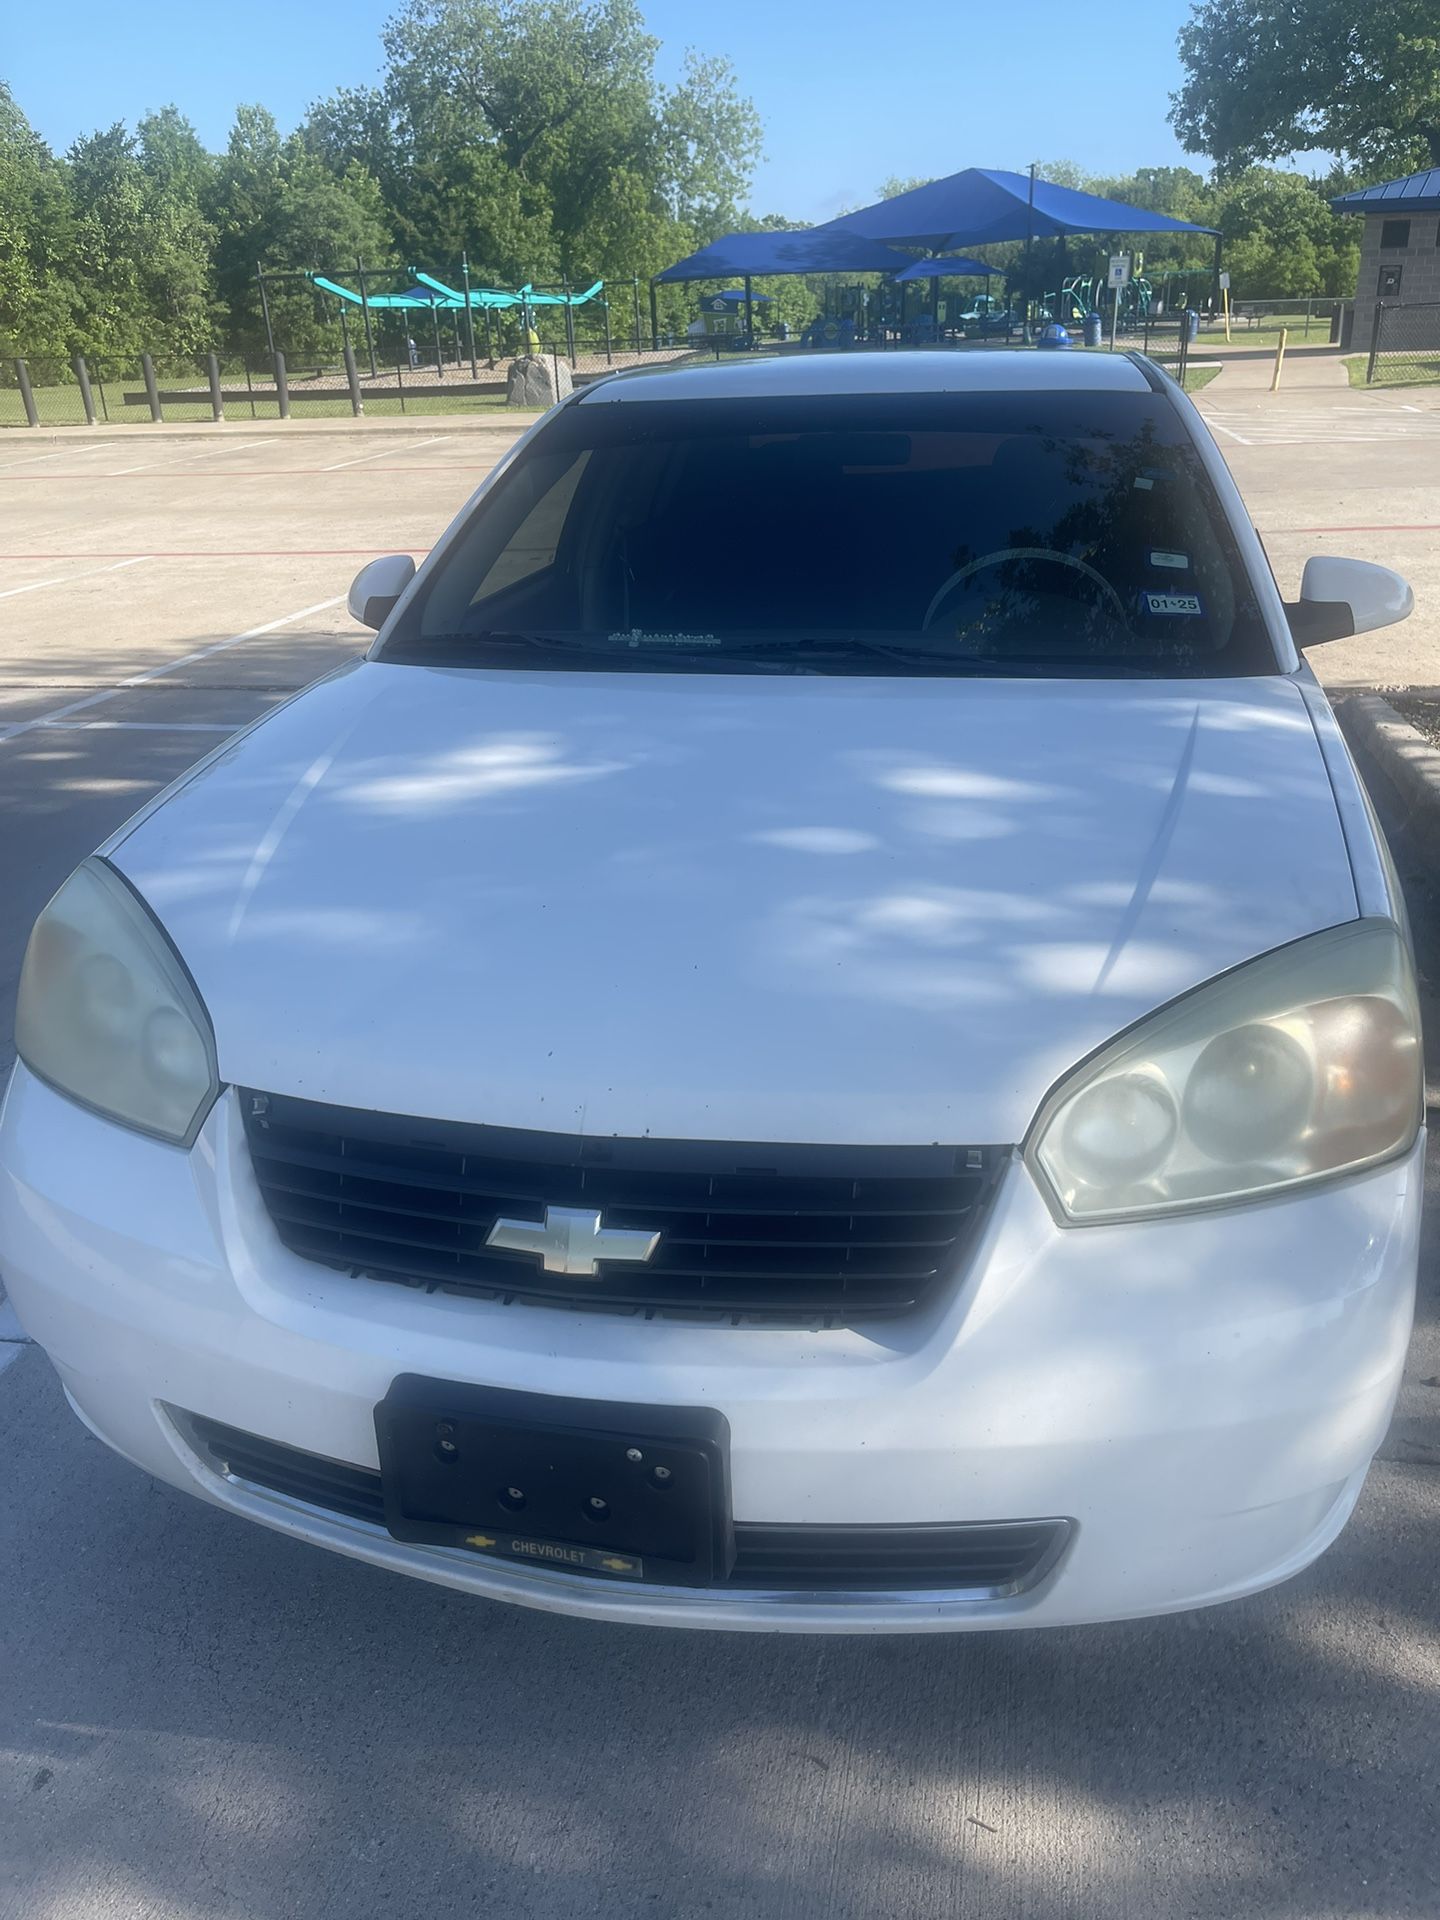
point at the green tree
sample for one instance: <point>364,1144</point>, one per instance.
<point>37,242</point>
<point>535,136</point>
<point>1281,237</point>
<point>276,204</point>
<point>1267,78</point>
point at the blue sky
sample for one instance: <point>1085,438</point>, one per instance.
<point>850,91</point>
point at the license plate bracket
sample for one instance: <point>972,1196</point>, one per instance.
<point>587,1486</point>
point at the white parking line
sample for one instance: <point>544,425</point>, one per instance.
<point>143,726</point>
<point>179,459</point>
<point>59,454</point>
<point>158,673</point>
<point>35,585</point>
<point>414,448</point>
<point>1221,427</point>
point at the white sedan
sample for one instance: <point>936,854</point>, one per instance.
<point>822,1036</point>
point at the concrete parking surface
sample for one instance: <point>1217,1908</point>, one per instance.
<point>199,1718</point>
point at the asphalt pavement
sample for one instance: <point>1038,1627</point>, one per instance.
<point>201,1719</point>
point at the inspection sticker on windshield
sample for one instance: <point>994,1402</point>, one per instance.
<point>1160,558</point>
<point>1171,603</point>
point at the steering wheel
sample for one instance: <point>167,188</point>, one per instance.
<point>1001,554</point>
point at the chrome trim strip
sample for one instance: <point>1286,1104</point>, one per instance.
<point>513,1581</point>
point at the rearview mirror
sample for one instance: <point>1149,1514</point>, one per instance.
<point>376,588</point>
<point>1339,597</point>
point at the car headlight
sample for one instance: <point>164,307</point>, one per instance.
<point>1298,1066</point>
<point>108,1014</point>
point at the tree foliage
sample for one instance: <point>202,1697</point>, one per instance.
<point>1270,78</point>
<point>536,140</point>
<point>532,136</point>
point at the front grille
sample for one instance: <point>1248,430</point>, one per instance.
<point>989,1559</point>
<point>814,1234</point>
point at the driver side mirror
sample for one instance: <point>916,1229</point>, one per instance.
<point>376,588</point>
<point>1339,597</point>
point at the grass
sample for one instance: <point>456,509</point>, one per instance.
<point>1197,377</point>
<point>1417,370</point>
<point>1267,336</point>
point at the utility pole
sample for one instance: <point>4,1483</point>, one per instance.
<point>469,315</point>
<point>1029,250</point>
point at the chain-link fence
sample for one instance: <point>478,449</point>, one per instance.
<point>1405,347</point>
<point>1168,341</point>
<point>398,379</point>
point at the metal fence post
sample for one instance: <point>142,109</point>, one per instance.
<point>87,399</point>
<point>27,398</point>
<point>352,374</point>
<point>152,392</point>
<point>1380,312</point>
<point>569,323</point>
<point>400,383</point>
<point>609,355</point>
<point>469,315</point>
<point>265,309</point>
<point>282,386</point>
<point>250,391</point>
<point>217,399</point>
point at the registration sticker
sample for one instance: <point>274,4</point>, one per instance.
<point>1160,558</point>
<point>1172,603</point>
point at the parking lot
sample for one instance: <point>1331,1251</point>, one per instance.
<point>199,1718</point>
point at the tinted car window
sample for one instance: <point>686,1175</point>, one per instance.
<point>940,534</point>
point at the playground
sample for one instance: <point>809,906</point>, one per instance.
<point>982,257</point>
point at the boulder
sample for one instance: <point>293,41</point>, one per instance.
<point>537,380</point>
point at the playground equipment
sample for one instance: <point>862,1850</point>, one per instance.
<point>1082,294</point>
<point>427,294</point>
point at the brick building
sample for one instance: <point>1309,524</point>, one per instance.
<point>1399,255</point>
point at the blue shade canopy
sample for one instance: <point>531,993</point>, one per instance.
<point>982,205</point>
<point>953,266</point>
<point>810,250</point>
<point>1413,193</point>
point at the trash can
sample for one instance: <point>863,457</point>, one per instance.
<point>1054,336</point>
<point>1192,325</point>
<point>1093,329</point>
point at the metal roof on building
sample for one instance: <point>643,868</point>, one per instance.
<point>1413,193</point>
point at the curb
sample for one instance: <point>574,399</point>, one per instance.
<point>511,423</point>
<point>1403,756</point>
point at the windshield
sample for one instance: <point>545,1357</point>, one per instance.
<point>950,534</point>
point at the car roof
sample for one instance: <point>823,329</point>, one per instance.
<point>968,370</point>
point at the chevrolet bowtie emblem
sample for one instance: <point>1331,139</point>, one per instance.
<point>572,1240</point>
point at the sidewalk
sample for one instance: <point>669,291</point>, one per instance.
<point>1247,371</point>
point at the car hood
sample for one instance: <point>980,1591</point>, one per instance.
<point>756,908</point>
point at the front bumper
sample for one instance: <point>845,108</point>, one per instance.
<point>1201,1398</point>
